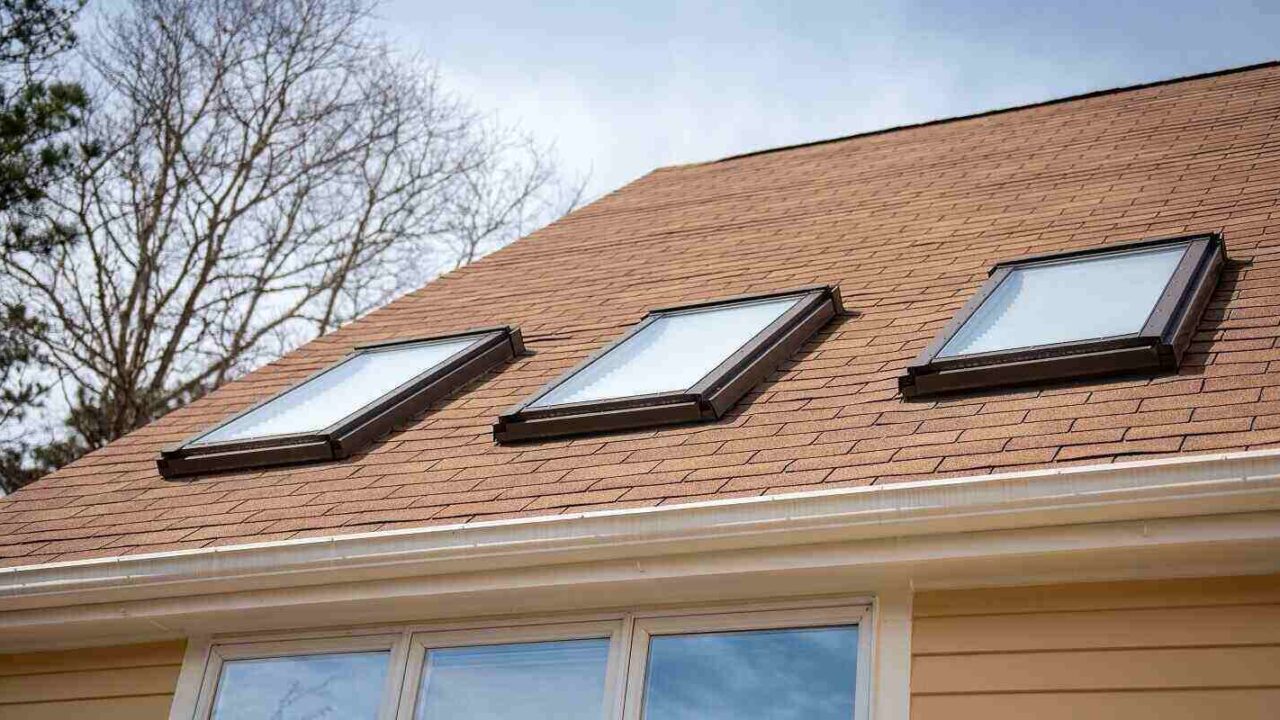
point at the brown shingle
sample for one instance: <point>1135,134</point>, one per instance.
<point>906,222</point>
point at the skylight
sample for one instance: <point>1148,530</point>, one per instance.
<point>1118,309</point>
<point>678,365</point>
<point>334,412</point>
<point>1070,300</point>
<point>341,390</point>
<point>671,353</point>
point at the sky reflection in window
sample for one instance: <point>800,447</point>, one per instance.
<point>801,674</point>
<point>302,687</point>
<point>561,680</point>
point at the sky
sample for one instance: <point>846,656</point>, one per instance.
<point>621,89</point>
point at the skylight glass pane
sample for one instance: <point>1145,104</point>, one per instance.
<point>803,674</point>
<point>340,391</point>
<point>671,354</point>
<point>303,687</point>
<point>562,680</point>
<point>1068,301</point>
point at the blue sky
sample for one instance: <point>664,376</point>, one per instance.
<point>621,89</point>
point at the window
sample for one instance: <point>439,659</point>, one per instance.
<point>339,410</point>
<point>549,671</point>
<point>549,679</point>
<point>679,364</point>
<point>781,666</point>
<point>347,685</point>
<point>801,663</point>
<point>298,680</point>
<point>1129,308</point>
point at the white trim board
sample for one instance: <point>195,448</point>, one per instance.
<point>1202,515</point>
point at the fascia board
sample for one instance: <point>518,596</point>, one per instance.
<point>1222,483</point>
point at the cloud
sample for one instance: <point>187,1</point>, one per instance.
<point>620,94</point>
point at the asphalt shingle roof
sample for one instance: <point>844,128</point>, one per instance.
<point>906,222</point>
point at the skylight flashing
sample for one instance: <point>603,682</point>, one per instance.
<point>1149,309</point>
<point>740,363</point>
<point>686,344</point>
<point>1124,291</point>
<point>354,383</point>
<point>385,403</point>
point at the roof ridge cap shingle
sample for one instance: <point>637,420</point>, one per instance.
<point>984,113</point>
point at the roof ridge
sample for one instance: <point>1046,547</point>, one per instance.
<point>987,113</point>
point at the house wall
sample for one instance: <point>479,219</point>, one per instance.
<point>127,682</point>
<point>1162,649</point>
<point>1135,650</point>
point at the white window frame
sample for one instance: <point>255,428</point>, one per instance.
<point>220,654</point>
<point>628,635</point>
<point>422,642</point>
<point>649,627</point>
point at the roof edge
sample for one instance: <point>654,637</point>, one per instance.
<point>976,502</point>
<point>999,111</point>
<point>1197,516</point>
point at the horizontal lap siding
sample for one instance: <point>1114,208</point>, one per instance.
<point>1166,649</point>
<point>132,682</point>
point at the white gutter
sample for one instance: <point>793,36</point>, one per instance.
<point>889,523</point>
<point>1199,485</point>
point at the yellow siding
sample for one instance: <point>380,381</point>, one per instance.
<point>131,682</point>
<point>1167,649</point>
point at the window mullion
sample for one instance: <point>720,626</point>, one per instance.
<point>398,674</point>
<point>620,661</point>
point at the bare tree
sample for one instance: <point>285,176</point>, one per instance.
<point>263,171</point>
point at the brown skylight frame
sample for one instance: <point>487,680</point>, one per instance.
<point>355,431</point>
<point>707,400</point>
<point>1157,347</point>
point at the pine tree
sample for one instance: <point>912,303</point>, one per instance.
<point>37,110</point>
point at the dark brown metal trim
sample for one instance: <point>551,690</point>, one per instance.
<point>1180,332</point>
<point>358,429</point>
<point>1075,347</point>
<point>1099,250</point>
<point>757,345</point>
<point>418,397</point>
<point>1054,368</point>
<point>515,332</point>
<point>593,406</point>
<point>765,354</point>
<point>509,430</point>
<point>526,408</point>
<point>175,464</point>
<point>1176,289</point>
<point>1157,347</point>
<point>745,297</point>
<point>708,399</point>
<point>939,341</point>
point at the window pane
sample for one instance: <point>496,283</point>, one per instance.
<point>339,392</point>
<point>1069,300</point>
<point>671,354</point>
<point>806,674</point>
<point>526,681</point>
<point>343,685</point>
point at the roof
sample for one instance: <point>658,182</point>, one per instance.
<point>906,222</point>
